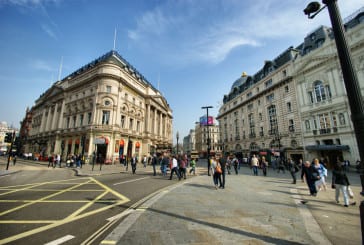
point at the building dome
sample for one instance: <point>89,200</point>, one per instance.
<point>240,81</point>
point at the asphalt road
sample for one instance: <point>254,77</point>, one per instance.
<point>41,205</point>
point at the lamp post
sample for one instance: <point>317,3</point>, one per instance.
<point>350,79</point>
<point>208,138</point>
<point>177,137</point>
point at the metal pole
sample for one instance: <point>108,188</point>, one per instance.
<point>208,138</point>
<point>352,89</point>
<point>350,79</point>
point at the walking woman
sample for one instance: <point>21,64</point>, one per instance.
<point>323,174</point>
<point>264,165</point>
<point>340,182</point>
<point>216,172</point>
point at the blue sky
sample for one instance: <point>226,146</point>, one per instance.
<point>192,50</point>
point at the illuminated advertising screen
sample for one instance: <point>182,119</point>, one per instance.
<point>204,121</point>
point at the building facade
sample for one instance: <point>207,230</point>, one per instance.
<point>296,106</point>
<point>203,135</point>
<point>102,111</point>
<point>260,114</point>
<point>189,142</point>
<point>327,128</point>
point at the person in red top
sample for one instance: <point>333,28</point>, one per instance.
<point>182,167</point>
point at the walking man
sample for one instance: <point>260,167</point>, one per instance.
<point>174,168</point>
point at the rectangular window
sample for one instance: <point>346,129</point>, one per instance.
<point>310,96</point>
<point>289,107</point>
<point>138,126</point>
<point>291,125</point>
<point>105,117</point>
<point>89,117</point>
<point>131,121</point>
<point>108,89</point>
<point>122,121</point>
<point>74,121</point>
<point>68,122</point>
<point>81,119</point>
<point>270,97</point>
<point>268,83</point>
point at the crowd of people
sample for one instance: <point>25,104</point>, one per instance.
<point>314,173</point>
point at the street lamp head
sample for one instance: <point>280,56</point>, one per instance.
<point>312,8</point>
<point>177,135</point>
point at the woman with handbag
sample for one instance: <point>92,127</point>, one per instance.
<point>216,171</point>
<point>340,183</point>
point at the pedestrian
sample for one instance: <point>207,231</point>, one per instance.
<point>174,168</point>
<point>264,165</point>
<point>340,182</point>
<point>134,161</point>
<point>154,162</point>
<point>321,183</point>
<point>59,160</point>
<point>293,169</point>
<point>50,161</point>
<point>14,160</point>
<point>280,165</point>
<point>311,174</point>
<point>223,161</point>
<point>182,167</point>
<point>228,164</point>
<point>254,162</point>
<point>235,163</point>
<point>145,161</point>
<point>193,166</point>
<point>216,171</point>
<point>126,163</point>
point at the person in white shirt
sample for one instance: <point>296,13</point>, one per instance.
<point>174,168</point>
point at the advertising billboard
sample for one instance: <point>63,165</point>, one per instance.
<point>206,121</point>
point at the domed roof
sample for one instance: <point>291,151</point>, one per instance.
<point>240,81</point>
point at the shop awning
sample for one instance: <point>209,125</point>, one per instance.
<point>328,147</point>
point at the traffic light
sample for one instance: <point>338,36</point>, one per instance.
<point>8,137</point>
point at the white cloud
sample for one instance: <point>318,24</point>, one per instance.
<point>46,28</point>
<point>201,31</point>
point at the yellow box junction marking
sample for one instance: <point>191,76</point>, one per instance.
<point>54,223</point>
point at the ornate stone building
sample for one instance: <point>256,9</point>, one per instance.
<point>297,104</point>
<point>260,113</point>
<point>327,128</point>
<point>203,133</point>
<point>105,109</point>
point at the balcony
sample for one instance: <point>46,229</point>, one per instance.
<point>252,135</point>
<point>325,131</point>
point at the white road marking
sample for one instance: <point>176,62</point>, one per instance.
<point>312,227</point>
<point>60,240</point>
<point>118,216</point>
<point>120,183</point>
